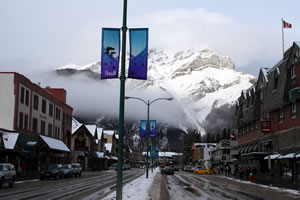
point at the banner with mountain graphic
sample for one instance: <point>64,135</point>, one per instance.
<point>138,40</point>
<point>110,53</point>
<point>152,128</point>
<point>143,128</point>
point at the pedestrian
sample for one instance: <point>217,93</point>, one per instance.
<point>24,168</point>
<point>241,172</point>
<point>229,170</point>
<point>247,172</point>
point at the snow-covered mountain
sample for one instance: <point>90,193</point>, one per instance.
<point>198,79</point>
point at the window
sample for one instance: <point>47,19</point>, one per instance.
<point>27,98</point>
<point>43,106</point>
<point>275,82</point>
<point>50,130</point>
<point>293,71</point>
<point>261,94</point>
<point>21,120</point>
<point>26,122</point>
<point>34,125</point>
<point>50,109</point>
<point>57,113</point>
<point>22,95</point>
<point>43,126</point>
<point>36,102</point>
<point>281,114</point>
<point>294,110</point>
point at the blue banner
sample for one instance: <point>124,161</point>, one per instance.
<point>143,128</point>
<point>152,128</point>
<point>110,53</point>
<point>138,39</point>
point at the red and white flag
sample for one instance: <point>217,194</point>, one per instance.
<point>286,25</point>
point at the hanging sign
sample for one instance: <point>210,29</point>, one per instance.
<point>138,61</point>
<point>110,53</point>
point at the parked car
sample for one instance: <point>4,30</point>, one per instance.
<point>52,171</point>
<point>7,174</point>
<point>126,166</point>
<point>77,169</point>
<point>201,170</point>
<point>167,170</point>
<point>68,171</point>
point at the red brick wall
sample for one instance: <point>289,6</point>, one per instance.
<point>59,93</point>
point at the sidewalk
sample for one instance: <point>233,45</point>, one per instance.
<point>141,188</point>
<point>265,179</point>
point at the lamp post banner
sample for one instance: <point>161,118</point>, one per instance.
<point>138,40</point>
<point>143,128</point>
<point>110,53</point>
<point>152,128</point>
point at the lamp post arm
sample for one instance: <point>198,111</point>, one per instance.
<point>137,99</point>
<point>169,99</point>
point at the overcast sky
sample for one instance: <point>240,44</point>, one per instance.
<point>46,34</point>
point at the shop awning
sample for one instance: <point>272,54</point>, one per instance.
<point>242,150</point>
<point>254,156</point>
<point>9,139</point>
<point>255,147</point>
<point>273,156</point>
<point>100,154</point>
<point>55,144</point>
<point>246,149</point>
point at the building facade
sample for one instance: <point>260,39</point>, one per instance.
<point>269,121</point>
<point>201,154</point>
<point>30,111</point>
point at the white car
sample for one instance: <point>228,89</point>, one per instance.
<point>7,174</point>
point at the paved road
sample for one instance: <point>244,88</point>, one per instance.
<point>188,186</point>
<point>92,186</point>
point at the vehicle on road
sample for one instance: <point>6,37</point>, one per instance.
<point>7,174</point>
<point>77,169</point>
<point>201,170</point>
<point>167,170</point>
<point>68,171</point>
<point>55,171</point>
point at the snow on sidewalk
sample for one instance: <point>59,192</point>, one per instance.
<point>137,189</point>
<point>290,191</point>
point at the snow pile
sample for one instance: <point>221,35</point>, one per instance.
<point>290,191</point>
<point>138,189</point>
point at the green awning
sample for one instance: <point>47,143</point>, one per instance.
<point>28,143</point>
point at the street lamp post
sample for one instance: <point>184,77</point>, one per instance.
<point>148,103</point>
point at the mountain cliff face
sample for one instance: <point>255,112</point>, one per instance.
<point>199,80</point>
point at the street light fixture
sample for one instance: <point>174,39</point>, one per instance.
<point>148,103</point>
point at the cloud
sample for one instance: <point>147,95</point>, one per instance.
<point>183,28</point>
<point>93,97</point>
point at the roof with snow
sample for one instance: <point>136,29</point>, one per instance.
<point>99,133</point>
<point>100,154</point>
<point>108,147</point>
<point>109,132</point>
<point>9,139</point>
<point>91,129</point>
<point>75,125</point>
<point>55,144</point>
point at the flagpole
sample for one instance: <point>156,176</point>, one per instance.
<point>282,37</point>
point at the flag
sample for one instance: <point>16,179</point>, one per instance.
<point>138,61</point>
<point>110,53</point>
<point>286,25</point>
<point>232,136</point>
